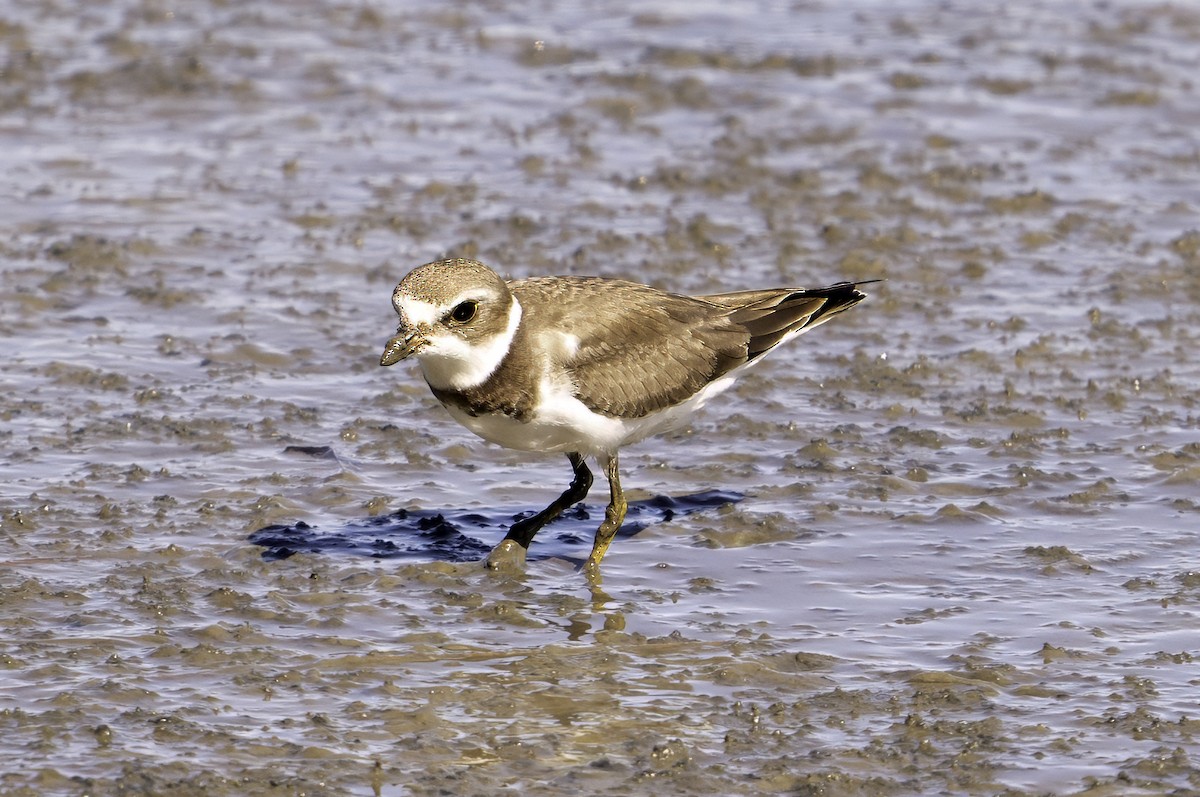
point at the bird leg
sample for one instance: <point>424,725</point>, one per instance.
<point>521,534</point>
<point>614,515</point>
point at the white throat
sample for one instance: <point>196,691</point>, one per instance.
<point>450,362</point>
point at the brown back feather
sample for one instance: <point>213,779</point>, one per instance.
<point>642,350</point>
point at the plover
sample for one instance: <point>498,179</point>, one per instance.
<point>585,365</point>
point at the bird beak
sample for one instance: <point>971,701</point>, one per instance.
<point>407,343</point>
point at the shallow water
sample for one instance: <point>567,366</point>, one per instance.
<point>964,555</point>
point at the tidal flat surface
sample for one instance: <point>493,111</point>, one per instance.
<point>945,544</point>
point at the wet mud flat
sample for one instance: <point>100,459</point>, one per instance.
<point>951,546</point>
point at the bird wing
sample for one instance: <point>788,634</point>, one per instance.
<point>630,349</point>
<point>771,316</point>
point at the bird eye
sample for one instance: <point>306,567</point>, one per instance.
<point>464,311</point>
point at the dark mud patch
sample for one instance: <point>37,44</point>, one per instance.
<point>461,535</point>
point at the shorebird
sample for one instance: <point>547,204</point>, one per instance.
<point>585,365</point>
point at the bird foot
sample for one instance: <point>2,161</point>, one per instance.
<point>507,557</point>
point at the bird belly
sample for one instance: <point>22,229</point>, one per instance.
<point>563,423</point>
<point>551,428</point>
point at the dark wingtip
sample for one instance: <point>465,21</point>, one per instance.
<point>839,294</point>
<point>839,288</point>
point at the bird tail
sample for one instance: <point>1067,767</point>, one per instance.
<point>772,316</point>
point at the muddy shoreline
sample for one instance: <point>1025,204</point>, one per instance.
<point>959,550</point>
